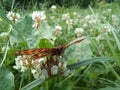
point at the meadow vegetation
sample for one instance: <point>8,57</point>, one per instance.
<point>92,64</point>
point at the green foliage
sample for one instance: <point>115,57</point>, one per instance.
<point>94,62</point>
<point>6,79</point>
<point>26,4</point>
<point>109,88</point>
<point>80,51</point>
<point>6,4</point>
<point>25,32</point>
<point>45,43</point>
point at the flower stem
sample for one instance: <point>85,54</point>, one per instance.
<point>5,54</point>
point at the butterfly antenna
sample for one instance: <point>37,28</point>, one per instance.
<point>74,42</point>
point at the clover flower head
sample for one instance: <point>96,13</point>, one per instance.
<point>79,31</point>
<point>88,17</point>
<point>54,70</point>
<point>58,30</point>
<point>65,16</point>
<point>37,17</point>
<point>75,13</point>
<point>4,35</point>
<point>100,37</point>
<point>115,20</point>
<point>106,29</point>
<point>49,68</point>
<point>85,25</point>
<point>53,8</point>
<point>69,22</point>
<point>25,62</point>
<point>13,16</point>
<point>107,12</point>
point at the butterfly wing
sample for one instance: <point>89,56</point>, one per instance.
<point>40,55</point>
<point>46,52</point>
<point>31,51</point>
<point>41,52</point>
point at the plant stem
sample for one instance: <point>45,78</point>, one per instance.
<point>66,78</point>
<point>12,5</point>
<point>21,82</point>
<point>5,54</point>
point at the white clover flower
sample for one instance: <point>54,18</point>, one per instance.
<point>115,20</point>
<point>76,21</point>
<point>103,18</point>
<point>58,30</point>
<point>35,73</point>
<point>64,70</point>
<point>13,16</point>
<point>25,62</point>
<point>4,34</point>
<point>23,69</point>
<point>79,31</point>
<point>9,15</point>
<point>107,12</point>
<point>35,25</point>
<point>85,25</point>
<point>92,22</point>
<point>42,77</point>
<point>100,37</point>
<point>49,68</point>
<point>53,8</point>
<point>75,13</point>
<point>92,19</point>
<point>52,17</point>
<point>65,16</point>
<point>59,64</point>
<point>40,59</point>
<point>69,22</point>
<point>106,29</point>
<point>54,70</point>
<point>45,73</point>
<point>37,17</point>
<point>88,17</point>
<point>19,64</point>
<point>64,65</point>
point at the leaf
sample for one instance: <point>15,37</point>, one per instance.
<point>33,84</point>
<point>23,31</point>
<point>45,43</point>
<point>46,31</point>
<point>110,88</point>
<point>6,79</point>
<point>90,61</point>
<point>80,51</point>
<point>64,86</point>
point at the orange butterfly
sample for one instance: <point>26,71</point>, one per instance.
<point>42,52</point>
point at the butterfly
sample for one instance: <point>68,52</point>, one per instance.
<point>42,52</point>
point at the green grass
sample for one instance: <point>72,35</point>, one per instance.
<point>94,63</point>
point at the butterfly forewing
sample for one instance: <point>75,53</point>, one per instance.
<point>32,51</point>
<point>40,55</point>
<point>42,52</point>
